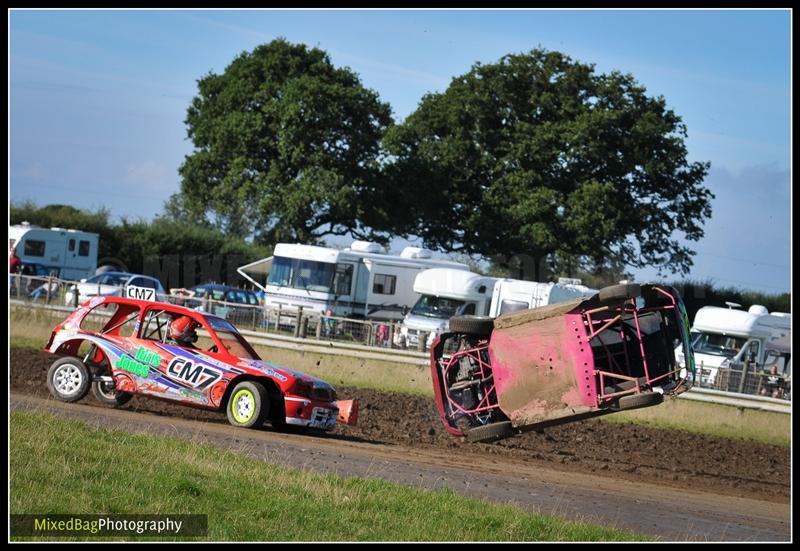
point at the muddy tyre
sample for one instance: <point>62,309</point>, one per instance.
<point>472,325</point>
<point>634,401</point>
<point>105,393</point>
<point>248,405</point>
<point>622,291</point>
<point>490,432</point>
<point>68,379</point>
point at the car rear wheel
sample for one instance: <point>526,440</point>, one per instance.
<point>634,401</point>
<point>490,432</point>
<point>105,393</point>
<point>68,379</point>
<point>472,325</point>
<point>622,291</point>
<point>248,405</point>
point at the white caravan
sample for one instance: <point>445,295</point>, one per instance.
<point>446,293</point>
<point>724,336</point>
<point>68,254</point>
<point>360,281</point>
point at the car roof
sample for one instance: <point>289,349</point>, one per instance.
<point>220,287</point>
<point>148,304</point>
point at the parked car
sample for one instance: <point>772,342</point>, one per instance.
<point>134,353</point>
<point>112,284</point>
<point>30,280</point>
<point>562,362</point>
<point>207,298</point>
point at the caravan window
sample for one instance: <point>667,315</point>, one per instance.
<point>718,345</point>
<point>384,284</point>
<point>71,246</point>
<point>512,306</point>
<point>83,248</point>
<point>34,248</point>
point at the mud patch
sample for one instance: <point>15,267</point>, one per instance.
<point>621,451</point>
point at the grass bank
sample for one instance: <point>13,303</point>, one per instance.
<point>61,466</point>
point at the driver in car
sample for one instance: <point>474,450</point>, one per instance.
<point>182,332</point>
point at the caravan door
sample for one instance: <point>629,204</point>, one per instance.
<point>344,289</point>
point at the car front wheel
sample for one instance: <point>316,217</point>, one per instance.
<point>68,379</point>
<point>248,405</point>
<point>105,393</point>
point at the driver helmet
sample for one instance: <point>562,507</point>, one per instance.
<point>182,330</point>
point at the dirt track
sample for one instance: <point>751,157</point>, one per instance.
<point>612,451</point>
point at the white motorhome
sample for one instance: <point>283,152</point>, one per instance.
<point>724,336</point>
<point>68,254</point>
<point>446,293</point>
<point>360,281</point>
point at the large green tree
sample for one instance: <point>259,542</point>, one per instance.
<point>537,154</point>
<point>286,148</point>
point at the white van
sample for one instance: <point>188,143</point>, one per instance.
<point>446,293</point>
<point>68,254</point>
<point>724,336</point>
<point>361,281</point>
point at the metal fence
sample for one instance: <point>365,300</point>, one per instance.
<point>745,379</point>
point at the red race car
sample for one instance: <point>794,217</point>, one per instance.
<point>119,347</point>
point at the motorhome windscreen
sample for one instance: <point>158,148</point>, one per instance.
<point>302,274</point>
<point>436,307</point>
<point>718,345</point>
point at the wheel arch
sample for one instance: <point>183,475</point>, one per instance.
<point>273,391</point>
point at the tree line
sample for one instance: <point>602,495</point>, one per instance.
<point>535,155</point>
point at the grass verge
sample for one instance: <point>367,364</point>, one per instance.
<point>62,466</point>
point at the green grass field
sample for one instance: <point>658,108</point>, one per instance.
<point>31,328</point>
<point>67,467</point>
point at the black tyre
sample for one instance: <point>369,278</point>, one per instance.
<point>490,432</point>
<point>68,380</point>
<point>248,405</point>
<point>472,325</point>
<point>622,291</point>
<point>634,401</point>
<point>105,393</point>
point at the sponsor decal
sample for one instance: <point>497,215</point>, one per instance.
<point>193,394</point>
<point>141,362</point>
<point>126,363</point>
<point>194,374</point>
<point>148,357</point>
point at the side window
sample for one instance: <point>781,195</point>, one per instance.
<point>34,247</point>
<point>344,279</point>
<point>83,248</point>
<point>156,325</point>
<point>384,284</point>
<point>512,306</point>
<point>71,246</point>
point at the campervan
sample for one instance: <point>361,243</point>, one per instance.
<point>728,336</point>
<point>446,293</point>
<point>68,254</point>
<point>360,281</point>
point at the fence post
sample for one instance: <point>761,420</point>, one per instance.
<point>319,327</point>
<point>744,375</point>
<point>255,311</point>
<point>304,327</point>
<point>278,319</point>
<point>49,285</point>
<point>421,341</point>
<point>75,296</point>
<point>297,321</point>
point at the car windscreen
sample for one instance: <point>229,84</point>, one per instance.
<point>436,307</point>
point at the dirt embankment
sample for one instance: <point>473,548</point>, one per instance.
<point>630,452</point>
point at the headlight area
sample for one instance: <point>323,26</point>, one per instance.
<point>310,406</point>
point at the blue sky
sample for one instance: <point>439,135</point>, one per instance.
<point>98,98</point>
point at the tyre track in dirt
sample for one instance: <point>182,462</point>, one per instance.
<point>575,471</point>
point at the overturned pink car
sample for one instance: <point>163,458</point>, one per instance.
<point>561,363</point>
